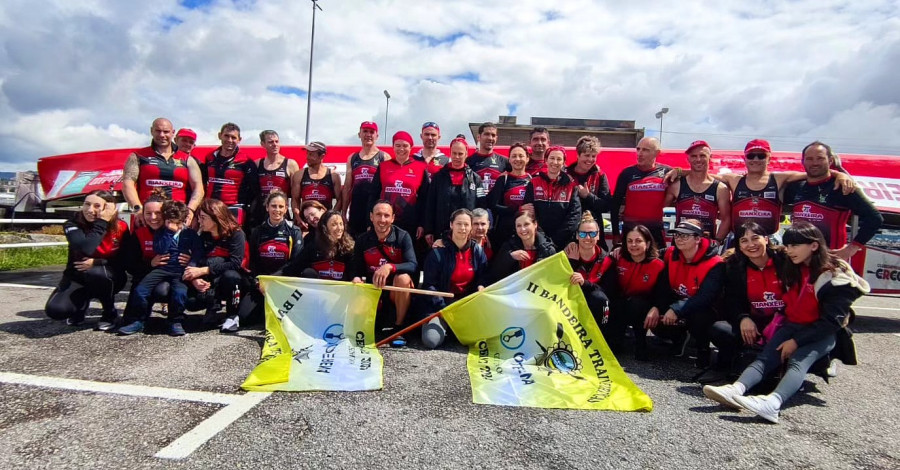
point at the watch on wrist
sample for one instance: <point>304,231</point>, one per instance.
<point>136,208</point>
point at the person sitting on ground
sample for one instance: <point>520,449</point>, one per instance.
<point>526,247</point>
<point>586,258</point>
<point>753,305</point>
<point>172,239</point>
<point>688,289</point>
<point>458,267</point>
<point>820,289</point>
<point>630,276</point>
<point>330,254</point>
<point>273,246</point>
<point>385,256</point>
<point>94,269</point>
<point>224,275</point>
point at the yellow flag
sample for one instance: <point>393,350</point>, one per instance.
<point>533,342</point>
<point>320,335</point>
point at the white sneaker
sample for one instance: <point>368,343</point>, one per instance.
<point>764,406</point>
<point>724,394</point>
<point>832,370</point>
<point>231,324</point>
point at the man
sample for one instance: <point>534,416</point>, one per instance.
<point>484,161</point>
<point>817,200</point>
<point>358,187</point>
<point>161,165</point>
<point>540,142</point>
<point>481,225</point>
<point>385,256</point>
<point>432,156</point>
<point>231,175</point>
<point>698,195</point>
<point>185,139</point>
<point>756,196</point>
<point>316,182</point>
<point>275,171</point>
<point>641,193</point>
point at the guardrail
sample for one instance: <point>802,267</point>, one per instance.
<point>33,221</point>
<point>32,244</point>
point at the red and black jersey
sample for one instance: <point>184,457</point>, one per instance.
<point>829,209</point>
<point>437,161</point>
<point>405,186</point>
<point>321,190</point>
<point>270,180</point>
<point>556,206</point>
<point>144,236</point>
<point>702,206</point>
<point>590,269</point>
<point>643,193</point>
<point>633,278</point>
<point>330,269</point>
<point>504,202</point>
<point>765,292</point>
<point>463,272</point>
<point>800,302</point>
<point>488,167</point>
<point>232,180</point>
<point>157,171</point>
<point>272,247</point>
<point>595,181</point>
<point>224,254</point>
<point>396,249</point>
<point>762,207</point>
<point>536,166</point>
<point>361,178</point>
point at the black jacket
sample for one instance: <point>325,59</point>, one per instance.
<point>503,264</point>
<point>444,198</point>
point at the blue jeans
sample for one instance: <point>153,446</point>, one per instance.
<point>797,365</point>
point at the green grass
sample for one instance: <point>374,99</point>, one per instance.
<point>19,258</point>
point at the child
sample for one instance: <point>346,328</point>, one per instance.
<point>172,239</point>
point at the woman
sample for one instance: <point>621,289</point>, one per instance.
<point>632,275</point>
<point>554,199</point>
<point>329,255</point>
<point>403,182</point>
<point>586,259</point>
<point>455,186</point>
<point>508,194</point>
<point>93,269</point>
<point>273,245</point>
<point>525,248</point>
<point>591,182</point>
<point>753,299</point>
<point>819,290</point>
<point>310,212</point>
<point>224,274</point>
<point>688,290</point>
<point>457,267</point>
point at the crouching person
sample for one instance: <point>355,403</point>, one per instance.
<point>586,258</point>
<point>457,266</point>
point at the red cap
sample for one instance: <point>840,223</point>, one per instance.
<point>404,136</point>
<point>461,141</point>
<point>368,125</point>
<point>186,133</point>
<point>757,144</point>
<point>695,144</point>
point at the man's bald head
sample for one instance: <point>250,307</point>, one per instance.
<point>647,151</point>
<point>162,131</point>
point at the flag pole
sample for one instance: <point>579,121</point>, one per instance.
<point>407,329</point>
<point>418,291</point>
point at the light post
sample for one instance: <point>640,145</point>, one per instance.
<point>387,105</point>
<point>659,116</point>
<point>312,43</point>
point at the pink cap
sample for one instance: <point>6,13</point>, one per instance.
<point>186,133</point>
<point>368,125</point>
<point>695,144</point>
<point>757,144</point>
<point>404,136</point>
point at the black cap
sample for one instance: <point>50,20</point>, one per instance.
<point>688,228</point>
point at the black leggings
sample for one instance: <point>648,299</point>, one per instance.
<point>229,286</point>
<point>624,312</point>
<point>74,292</point>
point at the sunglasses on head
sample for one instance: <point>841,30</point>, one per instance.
<point>588,234</point>
<point>429,124</point>
<point>756,156</point>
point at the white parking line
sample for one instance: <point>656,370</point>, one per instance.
<point>24,286</point>
<point>235,405</point>
<point>874,308</point>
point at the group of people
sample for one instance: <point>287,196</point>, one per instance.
<point>458,223</point>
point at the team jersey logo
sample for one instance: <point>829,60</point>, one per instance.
<point>221,181</point>
<point>682,290</point>
<point>165,183</point>
<point>647,187</point>
<point>806,213</point>
<point>398,188</point>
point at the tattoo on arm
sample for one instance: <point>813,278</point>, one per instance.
<point>132,168</point>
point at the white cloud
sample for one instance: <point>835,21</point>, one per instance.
<point>78,76</point>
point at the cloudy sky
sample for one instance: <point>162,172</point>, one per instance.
<point>92,74</point>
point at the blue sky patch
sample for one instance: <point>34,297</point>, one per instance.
<point>319,95</point>
<point>649,43</point>
<point>195,4</point>
<point>552,15</point>
<point>511,109</point>
<point>466,77</point>
<point>433,41</point>
<point>171,21</point>
<point>287,90</point>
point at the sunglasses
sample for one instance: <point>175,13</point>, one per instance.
<point>588,234</point>
<point>430,124</point>
<point>684,235</point>
<point>756,156</point>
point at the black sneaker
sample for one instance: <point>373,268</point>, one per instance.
<point>710,376</point>
<point>175,329</point>
<point>108,321</point>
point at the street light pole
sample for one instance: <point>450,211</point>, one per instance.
<point>659,116</point>
<point>387,105</point>
<point>312,43</point>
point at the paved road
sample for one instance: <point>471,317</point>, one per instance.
<point>423,417</point>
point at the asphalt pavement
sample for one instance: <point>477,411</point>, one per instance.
<point>424,416</point>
